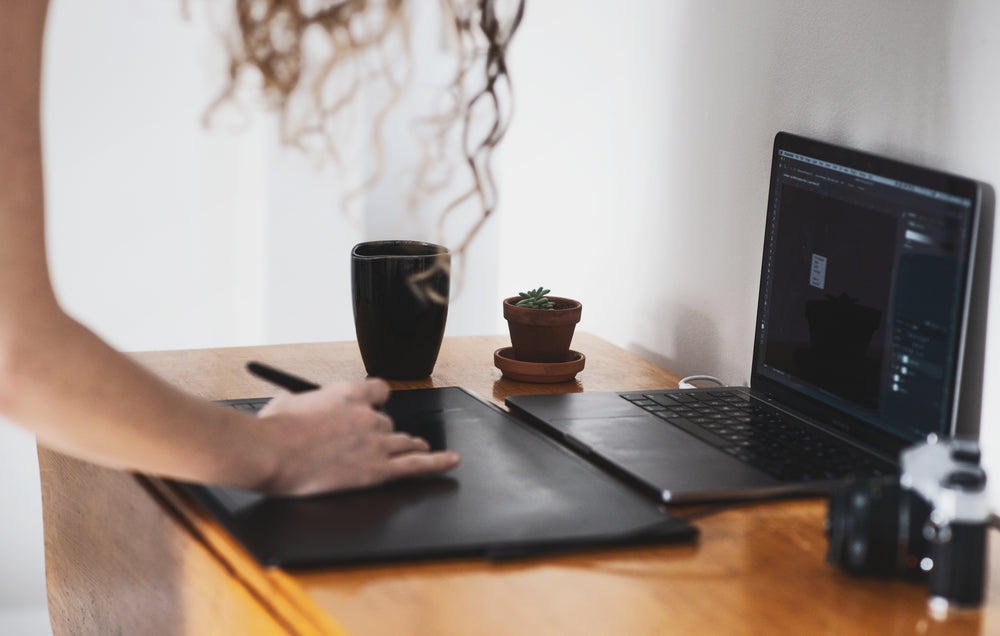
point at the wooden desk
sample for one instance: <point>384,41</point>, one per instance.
<point>127,554</point>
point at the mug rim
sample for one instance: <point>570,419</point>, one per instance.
<point>427,249</point>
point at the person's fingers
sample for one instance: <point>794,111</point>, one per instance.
<point>383,423</point>
<point>376,391</point>
<point>413,464</point>
<point>398,443</point>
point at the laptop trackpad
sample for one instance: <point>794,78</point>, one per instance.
<point>662,455</point>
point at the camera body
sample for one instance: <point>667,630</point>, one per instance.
<point>929,524</point>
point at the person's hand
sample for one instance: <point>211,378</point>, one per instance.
<point>335,438</point>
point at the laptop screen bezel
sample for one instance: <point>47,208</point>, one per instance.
<point>802,403</point>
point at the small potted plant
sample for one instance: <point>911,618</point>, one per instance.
<point>541,327</point>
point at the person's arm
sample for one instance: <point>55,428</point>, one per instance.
<point>81,397</point>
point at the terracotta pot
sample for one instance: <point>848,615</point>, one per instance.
<point>542,335</point>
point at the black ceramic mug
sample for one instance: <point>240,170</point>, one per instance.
<point>400,292</point>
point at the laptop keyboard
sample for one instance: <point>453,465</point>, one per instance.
<point>764,438</point>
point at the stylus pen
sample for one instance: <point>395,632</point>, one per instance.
<point>280,378</point>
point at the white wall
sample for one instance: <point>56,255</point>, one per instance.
<point>635,176</point>
<point>150,214</point>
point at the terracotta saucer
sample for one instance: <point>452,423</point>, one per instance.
<point>542,372</point>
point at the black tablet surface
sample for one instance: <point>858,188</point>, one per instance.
<point>517,493</point>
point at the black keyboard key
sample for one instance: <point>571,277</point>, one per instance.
<point>635,397</point>
<point>699,432</point>
<point>661,398</point>
<point>685,398</point>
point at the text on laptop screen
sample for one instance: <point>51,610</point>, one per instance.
<point>863,293</point>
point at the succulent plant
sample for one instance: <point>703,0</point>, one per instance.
<point>535,299</point>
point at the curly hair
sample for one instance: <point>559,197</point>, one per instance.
<point>295,46</point>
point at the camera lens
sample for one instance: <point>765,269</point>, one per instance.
<point>875,528</point>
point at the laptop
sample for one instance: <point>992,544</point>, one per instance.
<point>858,343</point>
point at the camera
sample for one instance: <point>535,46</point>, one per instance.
<point>929,523</point>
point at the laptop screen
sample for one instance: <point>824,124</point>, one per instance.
<point>864,286</point>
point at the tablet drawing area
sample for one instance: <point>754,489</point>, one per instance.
<point>516,493</point>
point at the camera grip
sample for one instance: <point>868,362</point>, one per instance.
<point>958,551</point>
